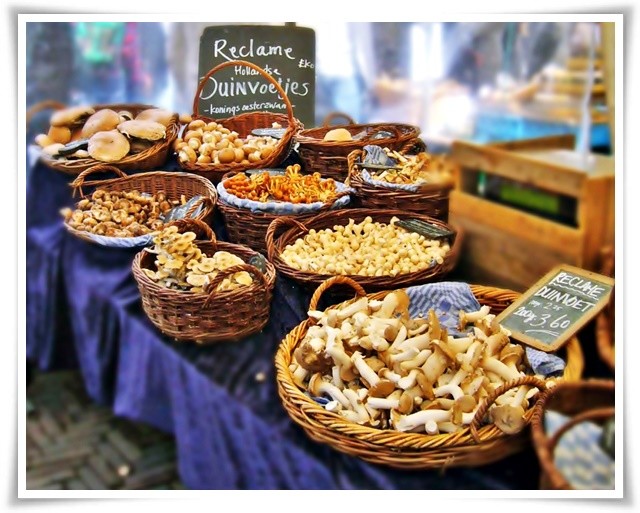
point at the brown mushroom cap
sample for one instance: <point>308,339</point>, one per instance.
<point>162,116</point>
<point>509,419</point>
<point>59,134</point>
<point>71,115</point>
<point>101,121</point>
<point>108,146</point>
<point>382,388</point>
<point>143,129</point>
<point>338,134</point>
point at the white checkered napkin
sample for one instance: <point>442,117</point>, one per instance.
<point>448,298</point>
<point>578,455</point>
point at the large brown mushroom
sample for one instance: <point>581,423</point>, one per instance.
<point>108,146</point>
<point>101,121</point>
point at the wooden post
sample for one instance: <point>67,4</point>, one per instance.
<point>608,63</point>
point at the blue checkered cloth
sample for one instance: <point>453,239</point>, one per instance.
<point>578,455</point>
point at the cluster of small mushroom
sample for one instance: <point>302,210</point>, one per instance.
<point>383,369</point>
<point>365,249</point>
<point>212,143</point>
<point>120,214</point>
<point>422,168</point>
<point>181,265</point>
<point>105,135</point>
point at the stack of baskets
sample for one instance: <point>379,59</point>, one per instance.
<point>243,124</point>
<point>152,158</point>
<point>210,316</point>
<point>472,446</point>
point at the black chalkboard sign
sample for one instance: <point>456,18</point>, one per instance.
<point>286,53</point>
<point>556,307</point>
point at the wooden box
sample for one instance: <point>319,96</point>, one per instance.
<point>511,246</point>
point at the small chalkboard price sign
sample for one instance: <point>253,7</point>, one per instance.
<point>287,53</point>
<point>548,314</point>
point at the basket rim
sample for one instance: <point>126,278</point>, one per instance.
<point>305,138</point>
<point>412,443</point>
<point>276,245</point>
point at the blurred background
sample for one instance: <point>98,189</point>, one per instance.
<point>476,81</point>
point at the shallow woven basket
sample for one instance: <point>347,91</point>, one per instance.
<point>151,158</point>
<point>172,183</point>
<point>250,228</point>
<point>606,319</point>
<point>329,158</point>
<point>472,446</point>
<point>591,400</point>
<point>276,245</point>
<point>206,318</point>
<point>430,199</point>
<point>244,124</point>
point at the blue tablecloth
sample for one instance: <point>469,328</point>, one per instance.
<point>84,310</point>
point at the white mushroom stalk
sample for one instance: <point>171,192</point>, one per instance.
<point>319,387</point>
<point>383,403</point>
<point>471,317</point>
<point>365,371</point>
<point>420,418</point>
<point>357,405</point>
<point>415,362</point>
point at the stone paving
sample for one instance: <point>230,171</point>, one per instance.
<point>75,444</point>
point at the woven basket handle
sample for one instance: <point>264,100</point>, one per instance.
<point>354,156</point>
<point>273,227</point>
<point>43,105</point>
<point>335,280</point>
<point>221,275</point>
<point>594,414</point>
<point>100,168</point>
<point>266,75</point>
<point>202,230</point>
<point>482,410</point>
<point>416,145</point>
<point>337,115</point>
<point>204,201</point>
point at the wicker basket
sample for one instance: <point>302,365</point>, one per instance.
<point>151,158</point>
<point>430,199</point>
<point>244,124</point>
<point>606,319</point>
<point>297,229</point>
<point>590,400</point>
<point>329,158</point>
<point>399,449</point>
<point>207,318</point>
<point>172,183</point>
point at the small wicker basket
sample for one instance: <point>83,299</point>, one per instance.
<point>606,319</point>
<point>590,400</point>
<point>329,158</point>
<point>430,199</point>
<point>472,446</point>
<point>297,229</point>
<point>172,183</point>
<point>151,158</point>
<point>216,316</point>
<point>244,124</point>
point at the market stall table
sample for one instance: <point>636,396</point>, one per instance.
<point>219,401</point>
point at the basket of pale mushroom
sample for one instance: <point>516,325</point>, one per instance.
<point>195,288</point>
<point>128,210</point>
<point>368,245</point>
<point>133,137</point>
<point>371,380</point>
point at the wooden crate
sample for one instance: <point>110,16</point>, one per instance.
<point>506,246</point>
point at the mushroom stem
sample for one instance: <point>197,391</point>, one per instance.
<point>356,405</point>
<point>418,342</point>
<point>490,364</point>
<point>409,380</point>
<point>365,371</point>
<point>431,427</point>
<point>471,317</point>
<point>383,403</point>
<point>417,361</point>
<point>357,306</point>
<point>318,387</point>
<point>420,418</point>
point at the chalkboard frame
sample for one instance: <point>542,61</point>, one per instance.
<point>573,328</point>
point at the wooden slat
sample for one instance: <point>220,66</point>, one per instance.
<point>565,141</point>
<point>600,229</point>
<point>524,169</point>
<point>518,224</point>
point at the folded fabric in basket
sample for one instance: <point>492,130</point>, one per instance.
<point>281,207</point>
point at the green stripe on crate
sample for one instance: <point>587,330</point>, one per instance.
<point>530,198</point>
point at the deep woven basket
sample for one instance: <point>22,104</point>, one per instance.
<point>250,228</point>
<point>606,319</point>
<point>296,229</point>
<point>206,318</point>
<point>151,158</point>
<point>430,199</point>
<point>470,447</point>
<point>591,400</point>
<point>329,158</point>
<point>243,124</point>
<point>174,184</point>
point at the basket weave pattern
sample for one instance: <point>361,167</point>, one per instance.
<point>172,183</point>
<point>206,318</point>
<point>400,449</point>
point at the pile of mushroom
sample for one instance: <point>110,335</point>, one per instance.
<point>379,367</point>
<point>181,265</point>
<point>365,249</point>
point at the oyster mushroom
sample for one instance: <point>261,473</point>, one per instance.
<point>471,317</point>
<point>319,387</point>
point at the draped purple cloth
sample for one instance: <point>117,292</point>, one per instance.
<point>84,311</point>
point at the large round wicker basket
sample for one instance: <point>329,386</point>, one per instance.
<point>152,158</point>
<point>472,446</point>
<point>216,316</point>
